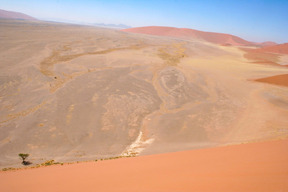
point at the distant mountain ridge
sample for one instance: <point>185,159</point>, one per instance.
<point>15,15</point>
<point>112,26</point>
<point>4,14</point>
<point>119,26</point>
<point>212,37</point>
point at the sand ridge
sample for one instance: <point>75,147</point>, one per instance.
<point>281,80</point>
<point>280,49</point>
<point>218,38</point>
<point>257,167</point>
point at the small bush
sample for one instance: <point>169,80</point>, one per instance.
<point>47,163</point>
<point>8,169</point>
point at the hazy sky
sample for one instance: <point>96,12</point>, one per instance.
<point>254,20</point>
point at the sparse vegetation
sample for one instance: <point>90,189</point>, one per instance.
<point>52,162</point>
<point>47,163</point>
<point>8,169</point>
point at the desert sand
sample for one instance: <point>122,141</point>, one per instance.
<point>257,167</point>
<point>277,80</point>
<point>281,49</point>
<point>218,38</point>
<point>271,55</point>
<point>268,43</point>
<point>77,93</point>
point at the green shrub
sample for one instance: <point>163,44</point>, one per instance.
<point>47,163</point>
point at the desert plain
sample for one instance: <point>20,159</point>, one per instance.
<point>78,93</point>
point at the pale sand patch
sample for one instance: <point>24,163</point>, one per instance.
<point>137,146</point>
<point>283,60</point>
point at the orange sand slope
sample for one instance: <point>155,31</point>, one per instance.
<point>267,43</point>
<point>217,38</point>
<point>276,80</point>
<point>281,49</point>
<point>257,167</point>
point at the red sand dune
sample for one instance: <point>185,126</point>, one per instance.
<point>276,80</point>
<point>14,15</point>
<point>261,57</point>
<point>218,38</point>
<point>267,55</point>
<point>281,49</point>
<point>267,43</point>
<point>257,167</point>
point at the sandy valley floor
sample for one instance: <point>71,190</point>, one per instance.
<point>72,93</point>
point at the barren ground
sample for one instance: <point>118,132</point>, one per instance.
<point>72,93</point>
